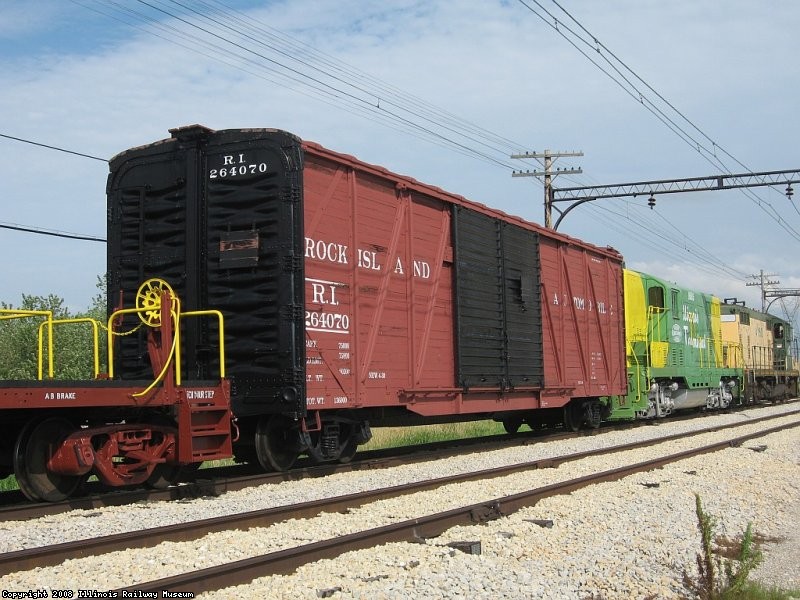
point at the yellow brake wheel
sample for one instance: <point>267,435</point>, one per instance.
<point>148,300</point>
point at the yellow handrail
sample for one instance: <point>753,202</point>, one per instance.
<point>632,353</point>
<point>96,340</point>
<point>175,350</point>
<point>221,321</point>
<point>21,314</point>
<point>165,368</point>
<point>110,332</point>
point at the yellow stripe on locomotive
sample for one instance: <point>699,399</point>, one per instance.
<point>676,355</point>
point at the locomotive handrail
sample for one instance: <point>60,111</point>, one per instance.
<point>96,336</point>
<point>762,356</point>
<point>13,313</point>
<point>632,353</point>
<point>653,334</point>
<point>734,358</point>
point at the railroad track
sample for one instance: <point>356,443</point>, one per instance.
<point>419,527</point>
<point>214,482</point>
<point>217,481</point>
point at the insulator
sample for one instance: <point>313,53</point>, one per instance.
<point>789,191</point>
<point>651,201</point>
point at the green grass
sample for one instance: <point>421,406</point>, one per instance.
<point>393,437</point>
<point>8,484</point>
<point>724,566</point>
<point>755,591</point>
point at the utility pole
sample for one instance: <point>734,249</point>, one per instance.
<point>548,156</point>
<point>762,281</point>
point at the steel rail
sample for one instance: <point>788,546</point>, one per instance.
<point>287,561</point>
<point>56,554</point>
<point>217,481</point>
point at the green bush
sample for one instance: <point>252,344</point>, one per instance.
<point>718,577</point>
<point>72,343</point>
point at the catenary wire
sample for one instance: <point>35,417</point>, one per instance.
<point>612,218</point>
<point>382,88</point>
<point>708,154</point>
<point>376,99</point>
<point>240,58</point>
<point>216,53</point>
<point>61,234</point>
<point>316,80</point>
<point>49,147</point>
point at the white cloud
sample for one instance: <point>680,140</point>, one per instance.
<point>19,18</point>
<point>492,63</point>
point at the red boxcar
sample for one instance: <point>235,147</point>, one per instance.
<point>419,298</point>
<point>352,294</point>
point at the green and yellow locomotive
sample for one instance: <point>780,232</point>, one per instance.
<point>676,356</point>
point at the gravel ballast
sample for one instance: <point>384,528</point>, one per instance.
<point>619,540</point>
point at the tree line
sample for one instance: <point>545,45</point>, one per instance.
<point>73,343</point>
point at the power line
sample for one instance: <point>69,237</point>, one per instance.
<point>660,239</point>
<point>640,96</point>
<point>305,78</point>
<point>370,101</point>
<point>61,234</point>
<point>11,137</point>
<point>341,79</point>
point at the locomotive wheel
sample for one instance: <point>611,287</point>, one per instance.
<point>34,447</point>
<point>277,443</point>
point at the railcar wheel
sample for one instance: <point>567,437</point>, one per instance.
<point>163,475</point>
<point>573,416</point>
<point>277,443</point>
<point>593,414</point>
<point>512,424</point>
<point>348,442</point>
<point>35,445</point>
<point>348,451</point>
<point>245,455</point>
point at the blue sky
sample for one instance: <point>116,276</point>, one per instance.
<point>78,77</point>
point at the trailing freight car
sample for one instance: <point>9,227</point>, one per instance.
<point>762,348</point>
<point>353,295</point>
<point>56,433</point>
<point>676,354</point>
